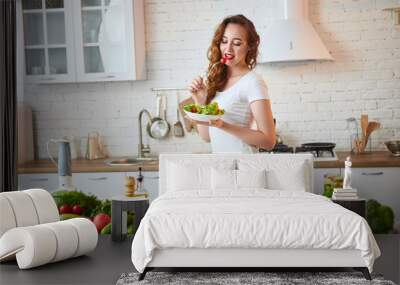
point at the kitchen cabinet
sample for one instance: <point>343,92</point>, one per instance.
<point>103,185</point>
<point>381,184</point>
<point>83,40</point>
<point>48,40</point>
<point>47,181</point>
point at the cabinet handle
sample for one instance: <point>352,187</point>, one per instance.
<point>48,79</point>
<point>372,173</point>
<point>39,179</point>
<point>108,76</point>
<point>98,178</point>
<point>150,177</point>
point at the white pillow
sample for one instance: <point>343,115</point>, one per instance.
<point>226,179</point>
<point>251,178</point>
<point>187,177</point>
<point>293,179</point>
<point>285,173</point>
<point>194,174</point>
<point>223,179</point>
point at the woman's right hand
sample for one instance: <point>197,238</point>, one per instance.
<point>198,90</point>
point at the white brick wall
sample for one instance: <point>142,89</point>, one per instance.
<point>310,100</point>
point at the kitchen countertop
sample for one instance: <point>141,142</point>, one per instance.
<point>84,165</point>
<point>372,159</point>
<point>368,159</point>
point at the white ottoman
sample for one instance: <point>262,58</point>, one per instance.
<point>31,232</point>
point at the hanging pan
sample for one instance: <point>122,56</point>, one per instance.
<point>158,128</point>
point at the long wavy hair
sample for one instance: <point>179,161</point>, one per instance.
<point>217,73</point>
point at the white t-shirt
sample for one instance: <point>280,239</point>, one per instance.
<point>236,102</point>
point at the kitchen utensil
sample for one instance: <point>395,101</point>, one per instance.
<point>94,148</point>
<point>364,125</point>
<point>64,162</point>
<point>319,147</point>
<point>372,126</point>
<point>358,145</point>
<point>178,128</point>
<point>73,146</point>
<point>189,124</point>
<point>393,146</point>
<point>158,128</point>
<point>352,126</point>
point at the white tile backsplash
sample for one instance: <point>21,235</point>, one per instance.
<point>310,100</point>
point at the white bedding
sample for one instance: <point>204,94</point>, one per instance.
<point>252,218</point>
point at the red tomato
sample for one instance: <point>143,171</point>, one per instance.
<point>65,209</point>
<point>77,209</point>
<point>101,220</point>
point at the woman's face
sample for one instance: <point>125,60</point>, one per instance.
<point>233,45</point>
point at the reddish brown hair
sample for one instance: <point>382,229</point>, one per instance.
<point>217,77</point>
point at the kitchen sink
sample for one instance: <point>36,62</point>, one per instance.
<point>130,161</point>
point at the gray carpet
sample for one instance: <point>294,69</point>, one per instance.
<point>270,278</point>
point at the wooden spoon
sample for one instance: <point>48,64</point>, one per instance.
<point>372,126</point>
<point>364,125</point>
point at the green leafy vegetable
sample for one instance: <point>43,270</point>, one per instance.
<point>89,203</point>
<point>210,109</point>
<point>379,217</point>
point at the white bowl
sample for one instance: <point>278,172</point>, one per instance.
<point>201,117</point>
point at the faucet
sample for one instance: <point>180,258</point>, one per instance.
<point>143,149</point>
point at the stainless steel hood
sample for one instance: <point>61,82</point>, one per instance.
<point>292,37</point>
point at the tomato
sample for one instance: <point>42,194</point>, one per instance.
<point>101,220</point>
<point>77,209</point>
<point>65,209</point>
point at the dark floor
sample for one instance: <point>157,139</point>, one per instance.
<point>110,259</point>
<point>102,266</point>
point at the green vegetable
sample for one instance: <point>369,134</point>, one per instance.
<point>103,207</point>
<point>69,216</point>
<point>89,203</point>
<point>106,230</point>
<point>131,229</point>
<point>210,109</point>
<point>131,218</point>
<point>380,217</point>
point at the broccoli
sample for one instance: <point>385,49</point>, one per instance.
<point>380,217</point>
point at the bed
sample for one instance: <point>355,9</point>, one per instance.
<point>245,211</point>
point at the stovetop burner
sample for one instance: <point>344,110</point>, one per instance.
<point>319,150</point>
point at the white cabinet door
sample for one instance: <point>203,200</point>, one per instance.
<point>381,184</point>
<point>150,182</point>
<point>102,185</point>
<point>48,40</point>
<point>109,37</point>
<point>47,181</point>
<point>83,40</point>
<point>319,178</point>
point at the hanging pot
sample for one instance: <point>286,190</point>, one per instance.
<point>159,128</point>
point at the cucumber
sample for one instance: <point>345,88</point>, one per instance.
<point>106,230</point>
<point>69,216</point>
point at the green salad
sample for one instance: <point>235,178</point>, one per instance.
<point>210,109</point>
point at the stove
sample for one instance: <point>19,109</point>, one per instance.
<point>321,151</point>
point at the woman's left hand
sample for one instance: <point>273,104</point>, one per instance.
<point>216,123</point>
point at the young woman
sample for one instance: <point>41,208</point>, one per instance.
<point>248,121</point>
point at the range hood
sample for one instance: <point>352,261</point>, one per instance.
<point>292,37</point>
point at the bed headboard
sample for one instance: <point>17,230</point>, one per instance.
<point>283,163</point>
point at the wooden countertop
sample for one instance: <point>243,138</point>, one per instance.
<point>84,165</point>
<point>373,159</point>
<point>369,159</point>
